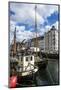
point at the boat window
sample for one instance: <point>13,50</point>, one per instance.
<point>26,58</point>
<point>31,57</point>
<point>21,58</point>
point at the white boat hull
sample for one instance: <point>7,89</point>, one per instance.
<point>30,72</point>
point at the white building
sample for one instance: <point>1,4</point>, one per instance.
<point>51,40</point>
<point>47,43</point>
<point>40,43</point>
<point>35,49</point>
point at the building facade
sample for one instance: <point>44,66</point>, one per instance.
<point>51,40</point>
<point>47,43</point>
<point>42,44</point>
<point>39,42</point>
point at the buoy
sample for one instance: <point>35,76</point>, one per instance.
<point>13,81</point>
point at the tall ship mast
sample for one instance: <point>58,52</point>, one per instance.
<point>26,61</point>
<point>14,48</point>
<point>39,60</point>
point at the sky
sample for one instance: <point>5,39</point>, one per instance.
<point>22,16</point>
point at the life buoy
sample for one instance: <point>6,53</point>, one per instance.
<point>13,81</point>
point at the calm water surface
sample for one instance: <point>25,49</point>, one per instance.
<point>49,75</point>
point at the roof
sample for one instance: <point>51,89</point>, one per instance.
<point>53,28</point>
<point>38,38</point>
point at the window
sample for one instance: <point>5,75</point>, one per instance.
<point>21,58</point>
<point>54,42</point>
<point>31,58</point>
<point>26,58</point>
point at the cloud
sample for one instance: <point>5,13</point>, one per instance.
<point>21,33</point>
<point>25,13</point>
<point>46,10</point>
<point>12,25</point>
<point>24,19</point>
<point>48,27</point>
<point>25,10</point>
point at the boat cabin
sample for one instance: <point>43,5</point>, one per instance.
<point>26,62</point>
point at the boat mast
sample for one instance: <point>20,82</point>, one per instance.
<point>14,48</point>
<point>36,27</point>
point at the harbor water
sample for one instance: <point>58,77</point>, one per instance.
<point>49,75</point>
<point>45,76</point>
